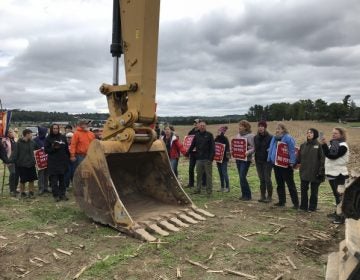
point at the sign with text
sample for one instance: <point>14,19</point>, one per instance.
<point>219,152</point>
<point>187,142</point>
<point>239,148</point>
<point>41,159</point>
<point>5,117</point>
<point>282,155</point>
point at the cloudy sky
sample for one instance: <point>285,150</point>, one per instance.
<point>215,57</point>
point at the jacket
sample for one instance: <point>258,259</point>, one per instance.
<point>3,156</point>
<point>250,144</point>
<point>175,147</point>
<point>224,140</point>
<point>289,141</point>
<point>81,141</point>
<point>40,139</point>
<point>311,159</point>
<point>336,165</point>
<point>204,144</point>
<point>57,149</point>
<point>9,144</point>
<point>23,156</point>
<point>262,143</point>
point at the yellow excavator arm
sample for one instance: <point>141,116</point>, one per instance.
<point>126,181</point>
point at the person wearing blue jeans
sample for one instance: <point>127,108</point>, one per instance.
<point>223,165</point>
<point>243,165</point>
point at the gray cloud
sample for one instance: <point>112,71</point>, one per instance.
<point>214,65</point>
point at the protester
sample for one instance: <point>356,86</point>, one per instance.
<point>57,149</point>
<point>173,147</point>
<point>312,172</point>
<point>192,158</point>
<point>284,174</point>
<point>205,150</point>
<point>71,167</point>
<point>97,132</point>
<point>243,165</point>
<point>223,166</point>
<point>80,142</point>
<point>10,144</point>
<point>43,176</point>
<point>157,130</point>
<point>3,156</point>
<point>24,159</point>
<point>16,134</point>
<point>262,142</point>
<point>68,128</point>
<point>337,157</point>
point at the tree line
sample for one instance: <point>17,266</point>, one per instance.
<point>306,109</point>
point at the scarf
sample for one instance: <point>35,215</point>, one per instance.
<point>334,146</point>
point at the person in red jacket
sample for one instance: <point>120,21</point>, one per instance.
<point>80,142</point>
<point>173,147</point>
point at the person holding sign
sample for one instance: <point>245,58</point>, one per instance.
<point>312,171</point>
<point>222,151</point>
<point>242,152</point>
<point>24,159</point>
<point>173,148</point>
<point>10,144</point>
<point>262,141</point>
<point>57,149</point>
<point>205,150</point>
<point>283,157</point>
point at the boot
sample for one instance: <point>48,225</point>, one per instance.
<point>263,198</point>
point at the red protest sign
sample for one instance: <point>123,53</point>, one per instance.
<point>187,141</point>
<point>282,155</point>
<point>41,159</point>
<point>239,148</point>
<point>219,152</point>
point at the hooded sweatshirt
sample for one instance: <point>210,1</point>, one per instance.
<point>40,139</point>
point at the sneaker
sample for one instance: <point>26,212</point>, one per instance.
<point>339,220</point>
<point>13,194</point>
<point>23,195</point>
<point>64,197</point>
<point>220,190</point>
<point>57,199</point>
<point>31,195</point>
<point>245,198</point>
<point>279,204</point>
<point>226,190</point>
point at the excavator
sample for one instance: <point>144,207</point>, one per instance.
<point>126,180</point>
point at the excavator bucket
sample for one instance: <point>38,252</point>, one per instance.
<point>135,192</point>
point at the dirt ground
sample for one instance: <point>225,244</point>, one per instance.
<point>40,239</point>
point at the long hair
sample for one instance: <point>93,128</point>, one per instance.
<point>283,127</point>
<point>52,129</point>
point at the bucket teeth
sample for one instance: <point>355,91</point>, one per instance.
<point>187,219</point>
<point>144,235</point>
<point>153,227</point>
<point>165,225</point>
<point>202,212</point>
<point>194,215</point>
<point>178,222</point>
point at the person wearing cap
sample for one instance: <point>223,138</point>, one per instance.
<point>68,129</point>
<point>9,145</point>
<point>80,142</point>
<point>223,166</point>
<point>262,141</point>
<point>192,158</point>
<point>71,167</point>
<point>16,134</point>
<point>43,176</point>
<point>97,133</point>
<point>312,170</point>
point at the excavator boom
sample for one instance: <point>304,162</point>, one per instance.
<point>125,180</point>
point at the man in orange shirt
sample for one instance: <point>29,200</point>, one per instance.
<point>80,142</point>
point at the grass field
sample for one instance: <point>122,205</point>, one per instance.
<point>36,228</point>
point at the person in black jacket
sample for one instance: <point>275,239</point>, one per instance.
<point>262,142</point>
<point>57,149</point>
<point>3,156</point>
<point>223,166</point>
<point>205,150</point>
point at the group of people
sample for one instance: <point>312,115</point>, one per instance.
<point>316,160</point>
<point>63,153</point>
